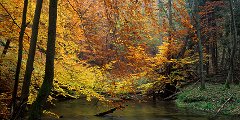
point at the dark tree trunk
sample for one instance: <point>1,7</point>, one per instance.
<point>200,48</point>
<point>234,32</point>
<point>207,64</point>
<point>223,58</point>
<point>31,55</point>
<point>6,48</point>
<point>160,18</point>
<point>19,61</point>
<point>228,58</point>
<point>170,15</point>
<point>45,89</point>
<point>214,57</point>
<point>214,43</point>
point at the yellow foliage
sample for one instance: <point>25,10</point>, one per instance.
<point>49,113</point>
<point>116,40</point>
<point>78,77</point>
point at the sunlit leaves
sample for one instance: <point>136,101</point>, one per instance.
<point>104,46</point>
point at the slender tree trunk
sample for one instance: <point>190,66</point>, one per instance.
<point>199,45</point>
<point>19,61</point>
<point>214,57</point>
<point>208,59</point>
<point>170,14</point>
<point>212,53</point>
<point>49,67</point>
<point>214,43</point>
<point>6,48</point>
<point>234,32</point>
<point>170,22</point>
<point>160,20</point>
<point>228,57</point>
<point>31,55</point>
<point>223,57</point>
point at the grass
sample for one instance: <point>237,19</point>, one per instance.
<point>211,98</point>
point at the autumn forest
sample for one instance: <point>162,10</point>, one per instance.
<point>180,53</point>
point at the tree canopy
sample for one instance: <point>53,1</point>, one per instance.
<point>111,47</point>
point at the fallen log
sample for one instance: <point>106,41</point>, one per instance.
<point>175,94</point>
<point>222,106</point>
<point>109,111</point>
<point>171,96</point>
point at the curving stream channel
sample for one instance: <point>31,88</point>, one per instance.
<point>82,110</point>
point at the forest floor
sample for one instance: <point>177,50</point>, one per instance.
<point>215,98</point>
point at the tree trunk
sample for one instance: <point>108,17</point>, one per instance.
<point>214,36</point>
<point>228,56</point>
<point>215,57</point>
<point>199,45</point>
<point>31,55</point>
<point>49,67</point>
<point>19,61</point>
<point>160,19</point>
<point>170,14</point>
<point>208,60</point>
<point>234,32</point>
<point>6,48</point>
<point>214,61</point>
<point>223,57</point>
<point>170,22</point>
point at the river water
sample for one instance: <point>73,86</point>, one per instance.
<point>80,109</point>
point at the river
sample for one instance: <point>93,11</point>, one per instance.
<point>82,110</point>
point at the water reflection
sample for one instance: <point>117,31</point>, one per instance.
<point>83,110</point>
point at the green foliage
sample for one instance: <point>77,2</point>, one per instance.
<point>210,99</point>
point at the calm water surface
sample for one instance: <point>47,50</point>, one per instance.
<point>83,110</point>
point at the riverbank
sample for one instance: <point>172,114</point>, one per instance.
<point>215,98</point>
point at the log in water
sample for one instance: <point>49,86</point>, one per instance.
<point>83,110</point>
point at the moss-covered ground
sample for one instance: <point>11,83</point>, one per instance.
<point>211,99</point>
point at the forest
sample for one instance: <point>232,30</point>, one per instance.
<point>128,59</point>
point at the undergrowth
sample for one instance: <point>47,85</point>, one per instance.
<point>211,99</point>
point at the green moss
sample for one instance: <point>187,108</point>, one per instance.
<point>211,98</point>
